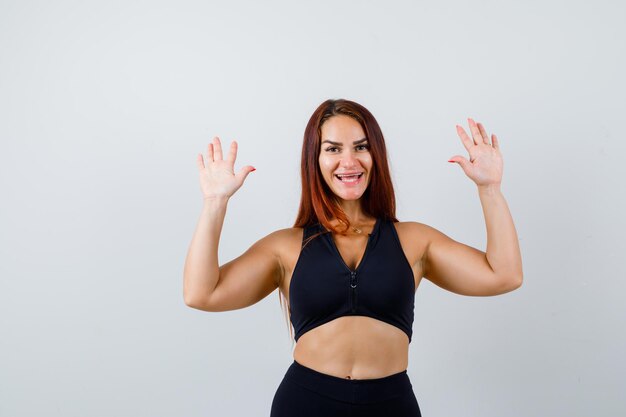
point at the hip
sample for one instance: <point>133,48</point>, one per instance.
<point>307,392</point>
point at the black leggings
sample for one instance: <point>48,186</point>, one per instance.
<point>305,392</point>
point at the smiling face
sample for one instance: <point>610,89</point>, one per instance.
<point>345,152</point>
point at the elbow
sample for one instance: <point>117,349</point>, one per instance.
<point>514,282</point>
<point>187,296</point>
<point>507,283</point>
<point>189,302</point>
<point>518,278</point>
<point>193,301</point>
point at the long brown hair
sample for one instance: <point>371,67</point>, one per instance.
<point>318,204</point>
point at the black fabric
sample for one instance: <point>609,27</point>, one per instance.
<point>324,288</point>
<point>305,392</point>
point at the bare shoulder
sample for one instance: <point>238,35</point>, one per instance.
<point>417,231</point>
<point>416,237</point>
<point>281,237</point>
<point>285,245</point>
<point>414,241</point>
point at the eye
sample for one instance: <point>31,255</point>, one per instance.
<point>330,148</point>
<point>365,147</point>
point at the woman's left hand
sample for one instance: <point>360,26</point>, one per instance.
<point>485,164</point>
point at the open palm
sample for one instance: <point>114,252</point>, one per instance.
<point>485,165</point>
<point>217,176</point>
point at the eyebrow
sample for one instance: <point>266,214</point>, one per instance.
<point>356,142</point>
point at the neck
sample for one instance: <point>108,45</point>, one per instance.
<point>354,212</point>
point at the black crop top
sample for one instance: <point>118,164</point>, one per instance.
<point>324,288</point>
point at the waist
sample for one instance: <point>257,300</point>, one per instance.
<point>364,391</point>
<point>358,356</point>
<point>356,340</point>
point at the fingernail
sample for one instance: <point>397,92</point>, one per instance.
<point>450,160</point>
<point>253,169</point>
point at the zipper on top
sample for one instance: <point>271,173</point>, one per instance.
<point>353,284</point>
<point>353,277</point>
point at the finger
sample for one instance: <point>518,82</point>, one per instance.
<point>463,162</point>
<point>467,142</point>
<point>232,153</point>
<point>484,134</point>
<point>496,143</point>
<point>243,172</point>
<point>217,149</point>
<point>199,161</point>
<point>475,132</point>
<point>209,152</point>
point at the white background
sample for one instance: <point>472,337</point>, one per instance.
<point>105,105</point>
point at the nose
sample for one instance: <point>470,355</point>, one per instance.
<point>348,159</point>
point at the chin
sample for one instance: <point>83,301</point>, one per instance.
<point>348,197</point>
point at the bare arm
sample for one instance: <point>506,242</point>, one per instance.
<point>465,270</point>
<point>503,251</point>
<point>237,284</point>
<point>201,272</point>
<point>460,268</point>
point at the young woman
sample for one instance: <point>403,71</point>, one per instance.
<point>348,268</point>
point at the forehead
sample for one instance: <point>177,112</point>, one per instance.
<point>342,128</point>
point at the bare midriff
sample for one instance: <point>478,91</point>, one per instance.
<point>354,347</point>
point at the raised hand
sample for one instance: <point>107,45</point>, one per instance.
<point>217,176</point>
<point>485,165</point>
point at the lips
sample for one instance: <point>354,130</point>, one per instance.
<point>353,175</point>
<point>349,178</point>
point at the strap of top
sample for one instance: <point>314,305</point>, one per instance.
<point>309,231</point>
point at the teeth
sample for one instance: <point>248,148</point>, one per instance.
<point>349,178</point>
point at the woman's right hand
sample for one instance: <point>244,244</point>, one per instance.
<point>217,176</point>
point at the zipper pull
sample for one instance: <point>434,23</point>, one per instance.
<point>353,279</point>
<point>353,292</point>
